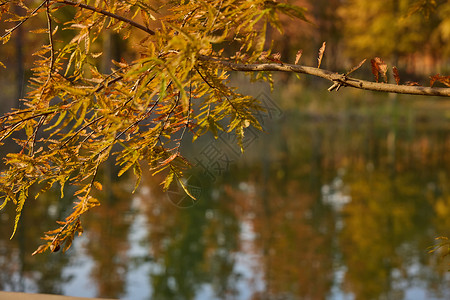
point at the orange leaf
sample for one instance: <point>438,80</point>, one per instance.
<point>169,159</point>
<point>382,67</point>
<point>434,78</point>
<point>145,19</point>
<point>4,8</point>
<point>276,57</point>
<point>321,51</point>
<point>41,249</point>
<point>412,83</point>
<point>379,66</point>
<point>375,69</point>
<point>299,54</point>
<point>443,79</point>
<point>263,56</point>
<point>98,185</point>
<point>396,75</point>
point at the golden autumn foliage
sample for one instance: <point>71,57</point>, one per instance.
<point>76,116</point>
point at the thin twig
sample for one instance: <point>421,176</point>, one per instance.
<point>41,121</point>
<point>9,31</point>
<point>81,129</point>
<point>15,124</point>
<point>145,116</point>
<point>103,85</point>
<point>109,14</point>
<point>332,76</point>
<point>215,88</point>
<point>215,17</point>
<point>52,50</point>
<point>187,118</point>
<point>177,101</point>
<point>50,38</point>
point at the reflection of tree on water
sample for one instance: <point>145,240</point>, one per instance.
<point>279,194</point>
<point>19,270</point>
<point>192,247</point>
<point>387,224</point>
<point>379,236</point>
<point>109,226</point>
<point>292,234</point>
<point>297,246</point>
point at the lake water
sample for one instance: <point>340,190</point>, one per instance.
<point>318,207</point>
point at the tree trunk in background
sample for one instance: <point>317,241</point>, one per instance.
<point>20,66</point>
<point>327,21</point>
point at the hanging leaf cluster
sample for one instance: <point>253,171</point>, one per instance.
<point>76,117</point>
<point>379,67</point>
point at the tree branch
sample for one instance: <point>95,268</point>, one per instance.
<point>9,31</point>
<point>107,13</point>
<point>337,79</point>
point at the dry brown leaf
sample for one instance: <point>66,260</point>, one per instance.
<point>321,51</point>
<point>412,83</point>
<point>276,57</point>
<point>382,67</point>
<point>263,56</point>
<point>375,68</point>
<point>379,66</point>
<point>443,79</point>
<point>299,54</point>
<point>433,79</point>
<point>396,75</point>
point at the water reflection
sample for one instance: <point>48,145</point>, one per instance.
<point>313,210</point>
